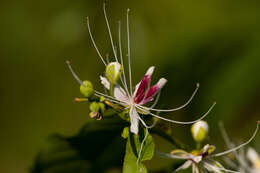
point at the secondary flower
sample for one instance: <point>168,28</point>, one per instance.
<point>204,159</point>
<point>121,90</point>
<point>244,161</point>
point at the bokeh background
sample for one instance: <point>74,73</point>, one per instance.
<point>216,43</point>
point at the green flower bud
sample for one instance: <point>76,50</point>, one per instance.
<point>102,107</point>
<point>87,89</point>
<point>199,131</point>
<point>94,107</point>
<point>125,132</point>
<point>113,72</point>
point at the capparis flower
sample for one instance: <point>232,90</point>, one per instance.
<point>204,159</point>
<point>243,160</point>
<point>121,90</point>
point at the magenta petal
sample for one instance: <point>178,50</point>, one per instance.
<point>141,89</point>
<point>154,90</point>
<point>151,92</point>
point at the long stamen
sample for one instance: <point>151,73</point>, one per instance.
<point>111,100</point>
<point>128,52</point>
<point>109,31</point>
<point>181,107</point>
<point>145,125</point>
<point>121,57</point>
<point>74,74</point>
<point>94,44</point>
<point>238,147</point>
<point>105,95</point>
<point>180,122</point>
<point>141,147</point>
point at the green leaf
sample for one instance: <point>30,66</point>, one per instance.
<point>133,147</point>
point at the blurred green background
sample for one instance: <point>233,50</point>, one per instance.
<point>216,43</point>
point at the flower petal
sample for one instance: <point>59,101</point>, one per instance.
<point>154,90</point>
<point>142,86</point>
<point>195,168</point>
<point>134,120</point>
<point>186,165</point>
<point>105,82</point>
<point>120,94</point>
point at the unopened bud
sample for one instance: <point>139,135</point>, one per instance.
<point>95,115</point>
<point>199,130</point>
<point>87,89</point>
<point>94,107</point>
<point>113,72</point>
<point>125,132</point>
<point>253,156</point>
<point>102,107</point>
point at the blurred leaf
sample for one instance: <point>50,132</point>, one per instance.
<point>96,148</point>
<point>133,147</point>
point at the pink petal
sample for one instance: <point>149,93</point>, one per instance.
<point>154,90</point>
<point>140,92</point>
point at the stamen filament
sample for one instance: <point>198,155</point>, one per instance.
<point>128,52</point>
<point>180,122</point>
<point>181,107</point>
<point>238,147</point>
<point>121,58</point>
<point>94,44</point>
<point>74,74</point>
<point>109,31</point>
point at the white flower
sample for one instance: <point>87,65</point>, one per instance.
<point>123,93</point>
<point>203,160</point>
<point>246,162</point>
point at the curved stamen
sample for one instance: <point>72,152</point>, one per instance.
<point>74,74</point>
<point>141,147</point>
<point>145,125</point>
<point>180,122</point>
<point>238,147</point>
<point>128,52</point>
<point>94,44</point>
<point>109,31</point>
<point>121,58</point>
<point>178,108</point>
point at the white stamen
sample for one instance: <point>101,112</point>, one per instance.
<point>180,122</point>
<point>74,74</point>
<point>128,52</point>
<point>109,31</point>
<point>94,44</point>
<point>238,147</point>
<point>109,99</point>
<point>121,58</point>
<point>180,107</point>
<point>141,147</point>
